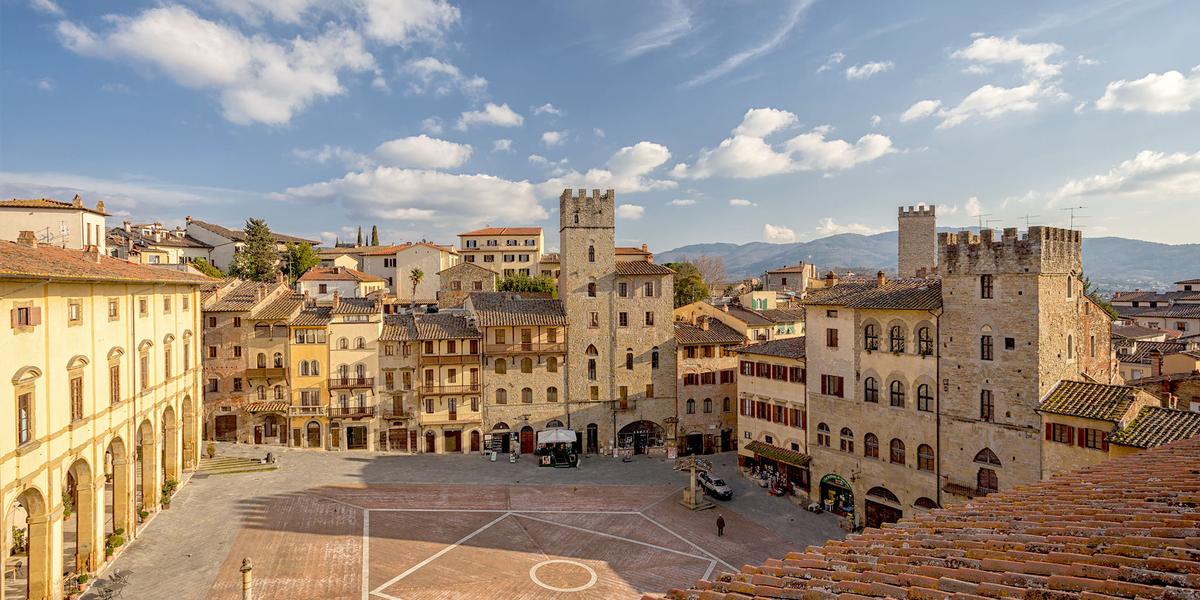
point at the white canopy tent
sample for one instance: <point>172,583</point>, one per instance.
<point>555,436</point>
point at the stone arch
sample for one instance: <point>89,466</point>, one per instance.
<point>145,346</point>
<point>78,361</point>
<point>897,336</point>
<point>170,449</point>
<point>146,472</point>
<point>26,374</point>
<point>116,353</point>
<point>987,457</point>
<point>40,580</point>
<point>870,334</point>
<point>167,339</point>
<point>925,503</point>
<point>79,484</point>
<point>118,486</point>
<point>883,493</point>
<point>189,433</point>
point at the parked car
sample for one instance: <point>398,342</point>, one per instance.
<point>714,486</point>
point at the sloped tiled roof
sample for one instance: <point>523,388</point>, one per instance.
<point>1187,281</point>
<point>1121,529</point>
<point>549,257</point>
<point>800,268</point>
<point>506,309</point>
<point>46,203</point>
<point>1089,400</point>
<point>338,274</point>
<point>504,231</point>
<point>1175,311</point>
<point>894,294</point>
<point>18,261</point>
<point>467,266</point>
<point>785,348</point>
<point>356,306</point>
<point>241,298</point>
<point>283,307</point>
<point>118,235</point>
<point>782,315</point>
<point>717,333</point>
<point>1155,426</point>
<point>1141,353</point>
<point>1137,331</point>
<point>641,267</point>
<point>240,236</point>
<point>390,250</point>
<point>747,316</point>
<point>398,328</point>
<point>314,316</point>
<point>444,326</point>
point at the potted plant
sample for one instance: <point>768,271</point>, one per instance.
<point>114,540</point>
<point>142,514</point>
<point>19,542</point>
<point>68,504</point>
<point>82,580</point>
<point>210,450</point>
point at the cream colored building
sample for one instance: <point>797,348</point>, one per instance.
<point>449,383</point>
<point>772,412</point>
<point>321,283</point>
<point>226,243</point>
<point>354,332</point>
<point>706,420</point>
<point>101,367</point>
<point>154,244</point>
<point>54,222</point>
<point>505,250</point>
<point>395,265</point>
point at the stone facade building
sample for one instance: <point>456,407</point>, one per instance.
<point>461,280</point>
<point>707,385</point>
<point>621,350</point>
<point>793,279</point>
<point>399,398</point>
<point>918,241</point>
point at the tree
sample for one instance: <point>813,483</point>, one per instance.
<point>208,268</point>
<point>374,235</point>
<point>527,283</point>
<point>712,270</point>
<point>416,276</point>
<point>359,242</point>
<point>258,260</point>
<point>689,283</point>
<point>1091,292</point>
<point>299,258</point>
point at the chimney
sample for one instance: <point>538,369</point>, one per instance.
<point>188,219</point>
<point>644,248</point>
<point>92,252</point>
<point>880,279</point>
<point>337,299</point>
<point>127,226</point>
<point>100,206</point>
<point>26,238</point>
<point>703,323</point>
<point>77,202</point>
<point>831,279</point>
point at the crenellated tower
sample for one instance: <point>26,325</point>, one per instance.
<point>918,241</point>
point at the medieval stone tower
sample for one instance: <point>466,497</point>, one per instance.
<point>1011,327</point>
<point>918,241</point>
<point>620,335</point>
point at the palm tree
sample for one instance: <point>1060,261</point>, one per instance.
<point>415,276</point>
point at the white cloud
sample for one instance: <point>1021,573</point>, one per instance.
<point>599,132</point>
<point>876,120</point>
<point>547,109</point>
<point>628,170</point>
<point>390,22</point>
<point>47,6</point>
<point>1035,58</point>
<point>834,59</point>
<point>977,70</point>
<point>818,154</point>
<point>423,152</point>
<point>920,110</point>
<point>765,47</point>
<point>778,234</point>
<point>500,116</point>
<point>257,80</point>
<point>868,70</point>
<point>432,76</point>
<point>538,159</point>
<point>740,202</point>
<point>502,145</point>
<point>1168,92</point>
<point>1085,61</point>
<point>630,212</point>
<point>147,198</point>
<point>330,154</point>
<point>670,27</point>
<point>682,202</point>
<point>829,227</point>
<point>554,138</point>
<point>45,84</point>
<point>973,207</point>
<point>441,199</point>
<point>432,125</point>
<point>761,122</point>
<point>1151,175</point>
<point>945,210</point>
<point>115,88</point>
<point>741,157</point>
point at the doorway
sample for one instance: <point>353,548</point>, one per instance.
<point>398,440</point>
<point>475,441</point>
<point>694,444</point>
<point>593,438</point>
<point>313,430</point>
<point>430,442</point>
<point>836,495</point>
<point>335,437</point>
<point>225,428</point>
<point>641,435</point>
<point>526,440</point>
<point>258,434</point>
<point>876,512</point>
<point>356,438</point>
<point>453,441</point>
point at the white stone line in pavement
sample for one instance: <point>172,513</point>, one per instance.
<point>615,537</point>
<point>509,510</point>
<point>670,494</point>
<point>707,554</point>
<point>712,564</point>
<point>366,555</point>
<point>417,566</point>
<point>592,577</point>
<point>342,502</point>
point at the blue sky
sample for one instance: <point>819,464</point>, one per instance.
<point>727,121</point>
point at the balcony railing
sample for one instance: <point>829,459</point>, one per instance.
<point>462,388</point>
<point>448,359</point>
<point>307,411</point>
<point>267,373</point>
<point>351,412</point>
<point>526,348</point>
<point>351,382</point>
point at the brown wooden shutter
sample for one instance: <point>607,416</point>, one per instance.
<point>35,316</point>
<point>1104,441</point>
<point>12,317</point>
<point>1081,437</point>
<point>1049,431</point>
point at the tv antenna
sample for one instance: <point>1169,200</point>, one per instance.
<point>1071,210</point>
<point>1028,218</point>
<point>981,216</point>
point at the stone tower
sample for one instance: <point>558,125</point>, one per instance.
<point>918,241</point>
<point>1010,329</point>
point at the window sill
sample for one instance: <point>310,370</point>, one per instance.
<point>28,447</point>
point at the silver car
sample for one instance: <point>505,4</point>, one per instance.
<point>714,486</point>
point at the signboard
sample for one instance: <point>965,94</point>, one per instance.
<point>672,452</point>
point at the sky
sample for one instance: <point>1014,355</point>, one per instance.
<point>714,121</point>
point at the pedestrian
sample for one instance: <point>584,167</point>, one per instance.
<point>720,525</point>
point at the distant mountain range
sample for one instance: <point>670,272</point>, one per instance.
<point>1112,263</point>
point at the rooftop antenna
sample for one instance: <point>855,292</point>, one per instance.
<point>981,216</point>
<point>1029,217</point>
<point>1072,209</point>
<point>989,222</point>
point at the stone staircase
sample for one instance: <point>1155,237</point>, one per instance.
<point>229,465</point>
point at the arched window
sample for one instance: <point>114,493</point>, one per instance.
<point>883,494</point>
<point>279,392</point>
<point>896,339</point>
<point>314,368</point>
<point>823,435</point>
<point>925,503</point>
<point>987,481</point>
<point>261,360</point>
<point>871,446</point>
<point>501,396</point>
<point>360,343</point>
<point>924,342</point>
<point>897,456</point>
<point>591,350</point>
<point>262,392</point>
<point>592,369</point>
<point>527,365</point>
<point>591,254</point>
<point>691,406</point>
<point>277,360</point>
<point>591,289</point>
<point>501,366</point>
<point>896,393</point>
<point>924,398</point>
<point>870,390</point>
<point>629,358</point>
<point>654,357</point>
<point>552,364</point>
<point>343,344</point>
<point>924,457</point>
<point>304,368</point>
<point>527,395</point>
<point>987,457</point>
<point>847,440</point>
<point>708,405</point>
<point>870,337</point>
<point>551,394</point>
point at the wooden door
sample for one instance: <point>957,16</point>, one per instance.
<point>527,440</point>
<point>258,434</point>
<point>225,428</point>
<point>474,441</point>
<point>314,435</point>
<point>878,514</point>
<point>335,438</point>
<point>430,444</point>
<point>453,441</point>
<point>398,440</point>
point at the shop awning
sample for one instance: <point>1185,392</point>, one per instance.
<point>783,455</point>
<point>261,407</point>
<point>555,436</point>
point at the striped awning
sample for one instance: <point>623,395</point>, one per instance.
<point>782,455</point>
<point>273,406</point>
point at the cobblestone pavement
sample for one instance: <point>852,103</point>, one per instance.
<point>302,525</point>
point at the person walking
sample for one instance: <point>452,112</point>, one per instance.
<point>720,525</point>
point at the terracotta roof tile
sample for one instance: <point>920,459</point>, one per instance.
<point>1089,400</point>
<point>240,236</point>
<point>1142,350</point>
<point>717,333</point>
<point>46,203</point>
<point>356,306</point>
<point>315,316</point>
<point>773,452</point>
<point>1155,426</point>
<point>641,267</point>
<point>505,309</point>
<point>1124,528</point>
<point>245,296</point>
<point>894,294</point>
<point>61,264</point>
<point>785,348</point>
<point>398,328</point>
<point>270,406</point>
<point>338,274</point>
<point>283,307</point>
<point>800,268</point>
<point>444,326</point>
<point>504,231</point>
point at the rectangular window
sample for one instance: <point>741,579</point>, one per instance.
<point>74,312</point>
<point>796,374</point>
<point>747,368</point>
<point>624,395</point>
<point>649,319</point>
<point>166,306</point>
<point>649,390</point>
<point>185,303</point>
<point>623,289</point>
<point>114,309</point>
<point>623,319</point>
<point>1063,434</point>
<point>212,351</point>
<point>212,321</point>
<point>24,418</point>
<point>237,321</point>
<point>779,372</point>
<point>1010,343</point>
<point>831,385</point>
<point>76,398</point>
<point>593,319</point>
<point>987,408</point>
<point>985,347</point>
<point>831,337</point>
<point>143,307</point>
<point>237,384</point>
<point>237,351</point>
<point>985,286</point>
<point>1095,439</point>
<point>648,289</point>
<point>709,378</point>
<point>214,385</point>
<point>727,376</point>
<point>114,384</point>
<point>145,371</point>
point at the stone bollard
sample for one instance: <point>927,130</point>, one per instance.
<point>247,580</point>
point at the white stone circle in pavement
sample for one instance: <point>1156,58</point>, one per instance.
<point>592,578</point>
